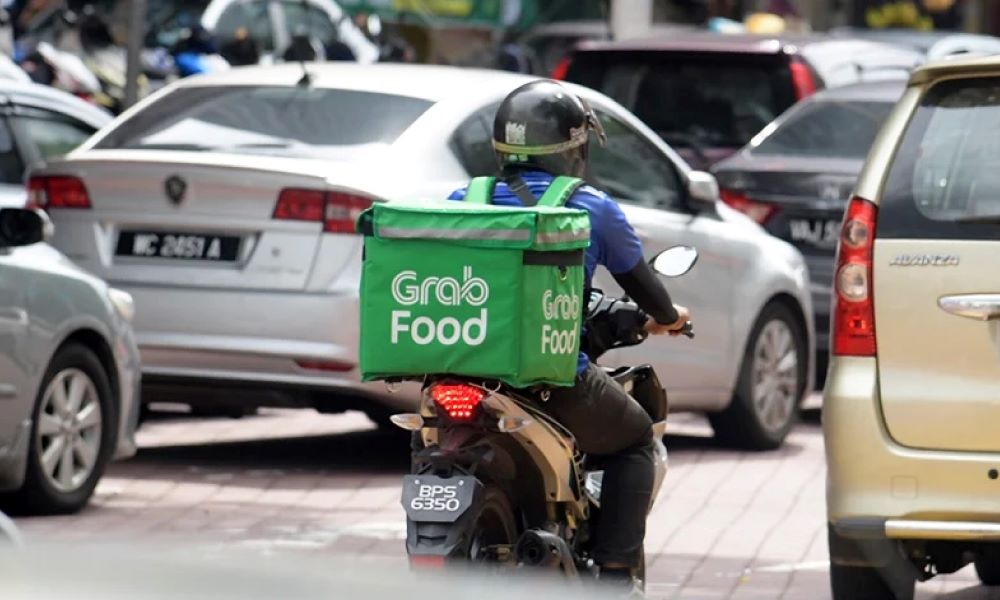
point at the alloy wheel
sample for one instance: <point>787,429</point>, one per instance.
<point>68,437</point>
<point>775,373</point>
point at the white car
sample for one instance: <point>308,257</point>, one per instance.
<point>226,204</point>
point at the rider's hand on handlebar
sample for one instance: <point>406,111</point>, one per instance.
<point>683,316</point>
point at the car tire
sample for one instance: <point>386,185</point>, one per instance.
<point>988,566</point>
<point>68,486</point>
<point>762,419</point>
<point>867,583</point>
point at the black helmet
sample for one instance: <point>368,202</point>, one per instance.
<point>543,125</point>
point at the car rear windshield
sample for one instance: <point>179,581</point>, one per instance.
<point>295,121</point>
<point>692,99</point>
<point>838,129</point>
<point>944,182</point>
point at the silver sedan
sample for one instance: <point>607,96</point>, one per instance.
<point>69,373</point>
<point>225,205</point>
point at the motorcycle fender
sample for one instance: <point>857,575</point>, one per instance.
<point>439,513</point>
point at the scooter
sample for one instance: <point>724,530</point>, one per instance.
<point>496,480</point>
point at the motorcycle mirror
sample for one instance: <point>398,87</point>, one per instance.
<point>675,261</point>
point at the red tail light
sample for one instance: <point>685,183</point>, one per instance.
<point>342,211</point>
<point>559,73</point>
<point>426,562</point>
<point>459,400</point>
<point>802,80</point>
<point>338,211</point>
<point>57,191</point>
<point>758,211</point>
<point>300,205</point>
<point>854,307</point>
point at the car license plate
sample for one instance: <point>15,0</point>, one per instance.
<point>438,499</point>
<point>178,246</point>
<point>817,232</point>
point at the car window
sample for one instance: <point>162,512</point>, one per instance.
<point>842,129</point>
<point>944,182</point>
<point>301,17</point>
<point>692,100</point>
<point>292,121</point>
<point>631,169</point>
<point>252,16</point>
<point>473,143</point>
<point>53,134</point>
<point>11,164</point>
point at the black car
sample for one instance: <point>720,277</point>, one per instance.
<point>707,94</point>
<point>795,176</point>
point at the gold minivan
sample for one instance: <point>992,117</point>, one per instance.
<point>911,411</point>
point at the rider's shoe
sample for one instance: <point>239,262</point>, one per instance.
<point>620,583</point>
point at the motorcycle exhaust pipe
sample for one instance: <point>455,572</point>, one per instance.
<point>539,548</point>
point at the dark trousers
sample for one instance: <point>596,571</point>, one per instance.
<point>610,425</point>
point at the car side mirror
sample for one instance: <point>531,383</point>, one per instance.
<point>674,261</point>
<point>703,190</point>
<point>22,227</point>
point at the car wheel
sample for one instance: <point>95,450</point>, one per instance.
<point>72,434</point>
<point>988,566</point>
<point>771,382</point>
<point>866,583</point>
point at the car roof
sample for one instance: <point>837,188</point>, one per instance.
<point>57,100</point>
<point>429,82</point>
<point>955,66</point>
<point>704,41</point>
<point>872,91</point>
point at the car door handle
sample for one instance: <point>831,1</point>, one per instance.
<point>981,307</point>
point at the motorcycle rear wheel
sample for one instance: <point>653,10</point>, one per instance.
<point>494,525</point>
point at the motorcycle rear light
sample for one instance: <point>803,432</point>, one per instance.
<point>802,79</point>
<point>343,210</point>
<point>758,211</point>
<point>300,205</point>
<point>854,308</point>
<point>458,400</point>
<point>57,191</point>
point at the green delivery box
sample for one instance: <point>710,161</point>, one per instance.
<point>469,288</point>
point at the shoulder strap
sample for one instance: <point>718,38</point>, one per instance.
<point>559,191</point>
<point>480,190</point>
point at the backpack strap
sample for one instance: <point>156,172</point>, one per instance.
<point>480,190</point>
<point>559,191</point>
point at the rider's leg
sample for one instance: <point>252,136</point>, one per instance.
<point>609,423</point>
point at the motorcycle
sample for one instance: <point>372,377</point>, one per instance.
<point>496,480</point>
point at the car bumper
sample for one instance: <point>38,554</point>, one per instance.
<point>259,348</point>
<point>877,488</point>
<point>128,363</point>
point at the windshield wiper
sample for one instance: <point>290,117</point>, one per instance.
<point>171,146</point>
<point>985,219</point>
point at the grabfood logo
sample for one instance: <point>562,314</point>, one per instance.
<point>560,307</point>
<point>407,290</point>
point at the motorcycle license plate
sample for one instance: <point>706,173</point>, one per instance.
<point>427,498</point>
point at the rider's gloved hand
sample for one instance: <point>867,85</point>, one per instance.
<point>683,316</point>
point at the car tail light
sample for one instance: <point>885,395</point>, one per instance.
<point>418,561</point>
<point>57,191</point>
<point>559,72</point>
<point>459,400</point>
<point>300,205</point>
<point>758,211</point>
<point>338,211</point>
<point>802,80</point>
<point>854,307</point>
<point>342,211</point>
<point>325,365</point>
